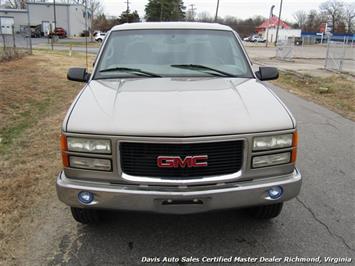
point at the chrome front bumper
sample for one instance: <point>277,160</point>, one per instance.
<point>121,197</point>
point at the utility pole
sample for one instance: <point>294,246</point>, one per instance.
<point>278,24</point>
<point>268,24</point>
<point>216,17</point>
<point>161,10</point>
<point>192,11</point>
<point>127,10</point>
<point>55,15</point>
<point>86,32</point>
<point>28,29</point>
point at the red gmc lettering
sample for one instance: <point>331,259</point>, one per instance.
<point>177,161</point>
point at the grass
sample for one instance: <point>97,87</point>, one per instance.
<point>10,53</point>
<point>34,97</point>
<point>90,44</point>
<point>336,92</point>
<point>75,44</point>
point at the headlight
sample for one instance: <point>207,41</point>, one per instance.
<point>89,145</point>
<point>272,142</point>
<point>272,159</point>
<point>90,163</point>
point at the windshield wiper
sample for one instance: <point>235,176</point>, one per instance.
<point>204,68</point>
<point>131,70</point>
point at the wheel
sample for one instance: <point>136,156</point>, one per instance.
<point>85,216</point>
<point>266,212</point>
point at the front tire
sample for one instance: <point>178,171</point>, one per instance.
<point>266,212</point>
<point>85,216</point>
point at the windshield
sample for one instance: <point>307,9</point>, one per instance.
<point>172,53</point>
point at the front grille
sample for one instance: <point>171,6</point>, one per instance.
<point>140,159</point>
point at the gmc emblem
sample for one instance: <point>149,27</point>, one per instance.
<point>177,161</point>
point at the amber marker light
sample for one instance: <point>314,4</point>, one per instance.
<point>64,149</point>
<point>294,146</point>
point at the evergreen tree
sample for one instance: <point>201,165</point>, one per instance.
<point>128,18</point>
<point>165,10</point>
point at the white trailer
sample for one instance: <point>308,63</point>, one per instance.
<point>284,34</point>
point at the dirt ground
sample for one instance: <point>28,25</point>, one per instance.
<point>34,96</point>
<point>336,92</point>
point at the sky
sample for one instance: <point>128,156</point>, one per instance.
<point>238,8</point>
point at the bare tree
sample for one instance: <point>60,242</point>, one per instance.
<point>300,17</point>
<point>350,16</point>
<point>334,9</point>
<point>94,8</point>
<point>17,4</point>
<point>204,17</point>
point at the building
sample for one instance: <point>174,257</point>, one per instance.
<point>268,29</point>
<point>272,23</point>
<point>8,18</point>
<point>71,17</point>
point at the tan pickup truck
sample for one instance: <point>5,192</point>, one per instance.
<point>173,119</point>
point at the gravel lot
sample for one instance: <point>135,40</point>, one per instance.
<point>308,59</point>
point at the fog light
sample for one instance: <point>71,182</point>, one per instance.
<point>85,197</point>
<point>275,192</point>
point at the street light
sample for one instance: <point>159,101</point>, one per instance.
<point>278,24</point>
<point>268,24</point>
<point>215,18</point>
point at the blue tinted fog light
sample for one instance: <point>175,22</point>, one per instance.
<point>85,197</point>
<point>275,192</point>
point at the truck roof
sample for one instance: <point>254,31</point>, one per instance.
<point>171,25</point>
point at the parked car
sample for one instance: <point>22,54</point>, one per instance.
<point>247,39</point>
<point>257,38</point>
<point>100,36</point>
<point>174,120</point>
<point>254,38</point>
<point>58,31</point>
<point>85,33</point>
<point>298,41</point>
<point>36,31</point>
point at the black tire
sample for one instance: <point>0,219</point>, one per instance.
<point>266,212</point>
<point>85,216</point>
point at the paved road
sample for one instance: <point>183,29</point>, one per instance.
<point>320,222</point>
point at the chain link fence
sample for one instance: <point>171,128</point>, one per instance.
<point>15,44</point>
<point>284,50</point>
<point>340,55</point>
<point>335,55</point>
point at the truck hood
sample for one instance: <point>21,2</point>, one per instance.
<point>176,107</point>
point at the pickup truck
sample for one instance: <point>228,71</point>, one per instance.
<point>173,119</point>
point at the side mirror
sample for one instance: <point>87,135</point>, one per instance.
<point>267,73</point>
<point>78,74</point>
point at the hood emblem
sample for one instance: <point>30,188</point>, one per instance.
<point>178,162</point>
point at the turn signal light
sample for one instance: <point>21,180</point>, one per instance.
<point>64,149</point>
<point>294,147</point>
